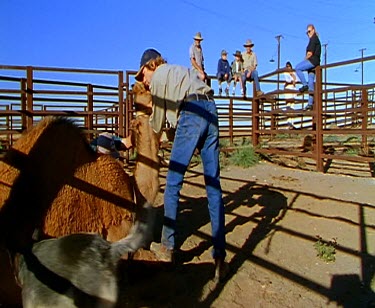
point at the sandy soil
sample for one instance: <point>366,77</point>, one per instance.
<point>273,217</point>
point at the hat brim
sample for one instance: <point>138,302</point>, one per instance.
<point>139,75</point>
<point>247,45</point>
<point>198,38</point>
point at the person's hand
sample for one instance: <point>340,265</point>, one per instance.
<point>202,76</point>
<point>248,74</point>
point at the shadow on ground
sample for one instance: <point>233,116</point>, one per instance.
<point>152,284</point>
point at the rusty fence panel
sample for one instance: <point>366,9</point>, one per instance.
<point>341,123</point>
<point>94,106</point>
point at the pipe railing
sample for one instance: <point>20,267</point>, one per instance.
<point>341,109</point>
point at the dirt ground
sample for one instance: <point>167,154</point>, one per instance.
<point>273,217</point>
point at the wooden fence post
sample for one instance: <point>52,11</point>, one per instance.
<point>121,118</point>
<point>29,97</point>
<point>255,122</point>
<point>23,103</point>
<point>319,122</point>
<point>90,109</point>
<point>364,118</point>
<point>231,121</point>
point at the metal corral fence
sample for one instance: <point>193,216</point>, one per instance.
<point>27,94</point>
<point>341,126</point>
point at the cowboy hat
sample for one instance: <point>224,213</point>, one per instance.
<point>237,54</point>
<point>198,37</point>
<point>148,54</point>
<point>248,43</point>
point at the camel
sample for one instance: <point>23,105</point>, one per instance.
<point>147,146</point>
<point>53,182</point>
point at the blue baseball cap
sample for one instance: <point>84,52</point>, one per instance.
<point>148,54</point>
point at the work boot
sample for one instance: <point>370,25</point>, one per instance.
<point>259,93</point>
<point>220,91</point>
<point>221,270</point>
<point>309,107</point>
<point>161,252</point>
<point>303,89</point>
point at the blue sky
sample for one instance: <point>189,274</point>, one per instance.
<point>112,34</point>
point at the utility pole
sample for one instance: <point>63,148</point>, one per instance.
<point>362,50</point>
<point>278,38</point>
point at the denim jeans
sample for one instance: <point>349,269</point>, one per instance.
<point>306,65</point>
<point>197,128</point>
<point>253,77</point>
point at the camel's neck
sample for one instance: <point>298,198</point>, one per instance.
<point>147,165</point>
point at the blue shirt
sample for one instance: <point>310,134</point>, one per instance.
<point>223,66</point>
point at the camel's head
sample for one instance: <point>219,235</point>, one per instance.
<point>142,98</point>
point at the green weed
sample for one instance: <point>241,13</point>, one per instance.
<point>223,143</point>
<point>196,159</point>
<point>244,157</point>
<point>326,251</point>
<point>352,151</point>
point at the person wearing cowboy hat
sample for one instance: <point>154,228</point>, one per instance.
<point>250,63</point>
<point>196,57</point>
<point>187,104</point>
<point>223,72</point>
<point>237,70</point>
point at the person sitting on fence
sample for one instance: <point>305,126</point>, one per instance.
<point>290,84</point>
<point>223,72</point>
<point>237,70</point>
<point>196,57</point>
<point>312,60</point>
<point>250,63</point>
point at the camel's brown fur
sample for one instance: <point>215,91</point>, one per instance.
<point>52,181</point>
<point>146,172</point>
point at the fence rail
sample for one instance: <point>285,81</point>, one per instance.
<point>341,126</point>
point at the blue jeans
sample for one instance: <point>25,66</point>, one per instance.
<point>306,65</point>
<point>197,128</point>
<point>253,77</point>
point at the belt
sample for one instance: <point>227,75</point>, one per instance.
<point>198,97</point>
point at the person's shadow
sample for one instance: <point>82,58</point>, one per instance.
<point>154,284</point>
<point>348,291</point>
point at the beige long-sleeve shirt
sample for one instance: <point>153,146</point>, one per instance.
<point>169,86</point>
<point>250,61</point>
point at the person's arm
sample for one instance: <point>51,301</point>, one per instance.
<point>294,79</point>
<point>308,55</point>
<point>193,61</point>
<point>219,67</point>
<point>195,65</point>
<point>251,65</point>
<point>228,70</point>
<point>310,48</point>
<point>158,90</point>
<point>233,67</point>
<point>255,62</point>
